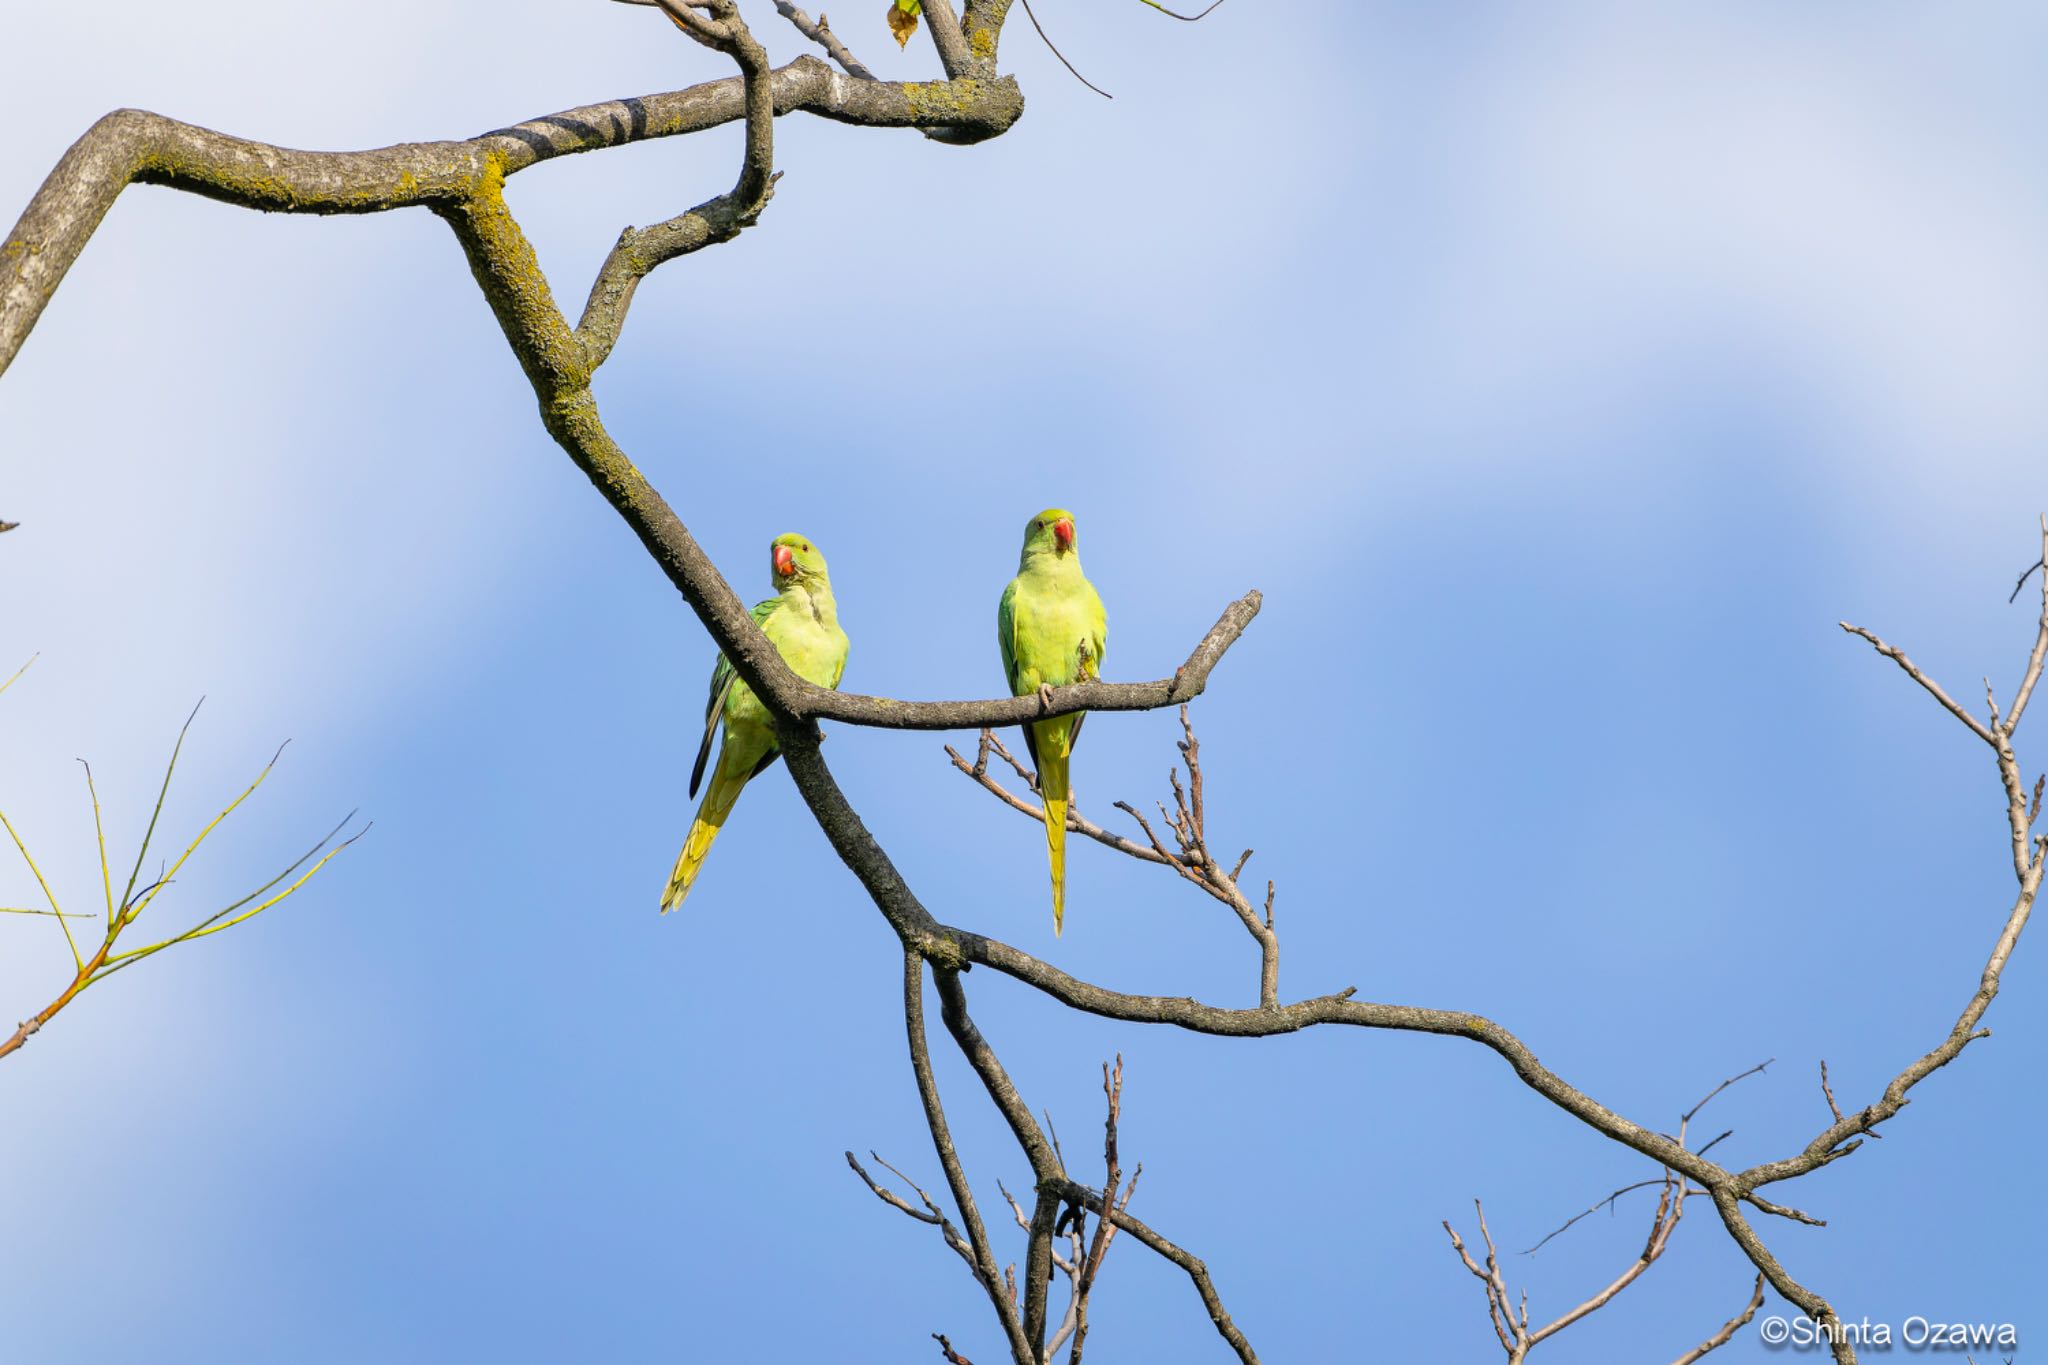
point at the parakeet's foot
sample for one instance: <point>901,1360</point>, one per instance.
<point>1045,696</point>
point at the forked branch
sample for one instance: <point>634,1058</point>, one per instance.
<point>108,957</point>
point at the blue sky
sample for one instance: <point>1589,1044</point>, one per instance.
<point>1562,379</point>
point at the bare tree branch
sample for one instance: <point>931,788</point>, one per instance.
<point>1046,1167</point>
<point>640,250</point>
<point>131,146</point>
<point>986,1272</point>
<point>821,34</point>
<point>1934,689</point>
<point>1194,860</point>
<point>1196,1270</point>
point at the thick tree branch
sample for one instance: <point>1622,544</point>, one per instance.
<point>947,39</point>
<point>982,23</point>
<point>640,250</point>
<point>1021,1346</point>
<point>1046,1167</point>
<point>133,146</point>
<point>1808,1302</point>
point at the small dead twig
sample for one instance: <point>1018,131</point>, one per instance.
<point>2031,568</point>
<point>1189,856</point>
<point>1184,18</point>
<point>821,33</point>
<point>1105,1227</point>
<point>1063,56</point>
<point>1729,1328</point>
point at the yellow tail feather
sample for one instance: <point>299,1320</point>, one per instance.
<point>1052,783</point>
<point>718,802</point>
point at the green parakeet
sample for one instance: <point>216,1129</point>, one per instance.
<point>802,622</point>
<point>1052,632</point>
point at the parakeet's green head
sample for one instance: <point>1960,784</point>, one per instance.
<point>1052,533</point>
<point>794,559</point>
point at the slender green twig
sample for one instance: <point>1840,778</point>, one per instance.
<point>72,943</point>
<point>100,833</point>
<point>128,891</point>
<point>142,903</point>
<point>213,924</point>
<point>1184,18</point>
<point>105,960</point>
<point>18,672</point>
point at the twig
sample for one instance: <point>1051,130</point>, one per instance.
<point>1196,1270</point>
<point>1184,18</point>
<point>1934,689</point>
<point>931,1213</point>
<point>1063,56</point>
<point>105,960</point>
<point>1105,1228</point>
<point>1191,859</point>
<point>2037,564</point>
<point>1728,1328</point>
<point>1687,1116</point>
<point>821,34</point>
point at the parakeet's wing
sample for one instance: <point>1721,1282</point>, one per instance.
<point>1098,639</point>
<point>1098,625</point>
<point>723,675</point>
<point>1006,633</point>
<point>1006,638</point>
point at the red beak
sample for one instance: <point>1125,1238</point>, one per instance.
<point>1063,532</point>
<point>785,561</point>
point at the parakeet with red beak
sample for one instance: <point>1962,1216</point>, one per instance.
<point>802,622</point>
<point>1052,632</point>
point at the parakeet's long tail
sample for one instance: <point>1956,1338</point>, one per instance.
<point>1055,739</point>
<point>726,783</point>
